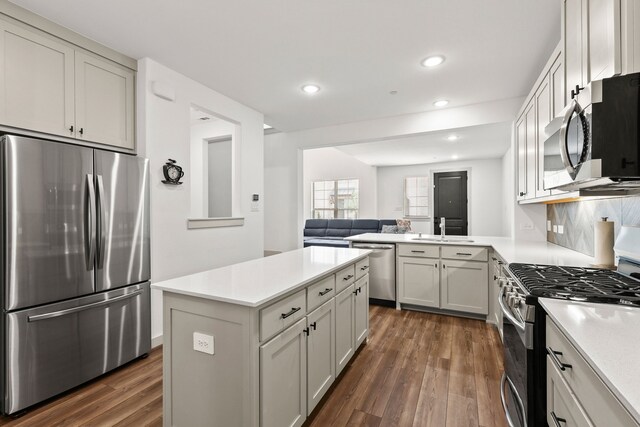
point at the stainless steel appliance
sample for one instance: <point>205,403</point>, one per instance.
<point>74,264</point>
<point>597,148</point>
<point>382,276</point>
<point>524,380</point>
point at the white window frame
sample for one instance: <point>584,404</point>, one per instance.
<point>335,209</point>
<point>427,196</point>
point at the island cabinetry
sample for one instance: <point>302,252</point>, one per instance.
<point>445,277</point>
<point>266,364</point>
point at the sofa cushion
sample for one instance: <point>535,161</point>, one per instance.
<point>339,228</point>
<point>386,222</point>
<point>361,226</point>
<point>334,243</point>
<point>315,227</point>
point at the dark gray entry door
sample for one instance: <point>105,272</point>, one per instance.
<point>450,201</point>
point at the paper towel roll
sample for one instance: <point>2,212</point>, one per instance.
<point>603,241</point>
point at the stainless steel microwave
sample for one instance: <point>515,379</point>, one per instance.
<point>597,147</point>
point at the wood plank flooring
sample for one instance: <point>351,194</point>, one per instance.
<point>418,369</point>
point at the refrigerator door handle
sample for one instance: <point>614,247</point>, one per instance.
<point>59,313</point>
<point>90,224</point>
<point>101,221</point>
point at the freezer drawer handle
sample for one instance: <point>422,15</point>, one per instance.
<point>90,222</point>
<point>53,314</point>
<point>102,218</point>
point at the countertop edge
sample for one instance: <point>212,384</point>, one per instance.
<point>604,378</point>
<point>264,301</point>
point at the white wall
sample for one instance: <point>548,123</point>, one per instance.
<point>484,188</point>
<point>219,178</point>
<point>164,132</point>
<point>509,192</point>
<point>330,164</point>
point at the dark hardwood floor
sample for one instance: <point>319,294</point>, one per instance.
<point>418,369</point>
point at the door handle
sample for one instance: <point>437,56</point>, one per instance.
<point>507,381</point>
<point>68,311</point>
<point>102,203</point>
<point>90,223</point>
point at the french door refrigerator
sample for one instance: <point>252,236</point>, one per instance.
<point>74,264</point>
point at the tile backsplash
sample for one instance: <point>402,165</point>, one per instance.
<point>578,219</point>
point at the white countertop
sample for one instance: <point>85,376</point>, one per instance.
<point>607,336</point>
<point>521,251</point>
<point>256,282</point>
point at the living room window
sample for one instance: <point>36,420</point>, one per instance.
<point>416,197</point>
<point>336,199</point>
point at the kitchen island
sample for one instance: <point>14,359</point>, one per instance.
<point>259,343</point>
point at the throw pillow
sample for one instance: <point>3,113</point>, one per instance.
<point>390,229</point>
<point>404,223</point>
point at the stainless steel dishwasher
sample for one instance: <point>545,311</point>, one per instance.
<point>382,272</point>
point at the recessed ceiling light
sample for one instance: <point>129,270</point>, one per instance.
<point>266,126</point>
<point>452,138</point>
<point>310,89</point>
<point>432,61</point>
<point>441,103</point>
<point>454,157</point>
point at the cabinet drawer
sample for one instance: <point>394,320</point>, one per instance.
<point>423,251</point>
<point>282,314</point>
<point>320,292</point>
<point>362,268</point>
<point>602,407</point>
<point>345,277</point>
<point>562,405</point>
<point>465,252</point>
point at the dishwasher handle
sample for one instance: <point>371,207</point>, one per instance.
<point>370,246</point>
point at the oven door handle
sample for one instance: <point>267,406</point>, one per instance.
<point>519,324</point>
<point>506,380</point>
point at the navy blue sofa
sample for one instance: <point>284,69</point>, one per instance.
<point>331,232</point>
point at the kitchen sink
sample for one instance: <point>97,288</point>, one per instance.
<point>445,240</point>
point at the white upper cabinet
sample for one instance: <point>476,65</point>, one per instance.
<point>556,79</point>
<point>104,102</point>
<point>604,39</point>
<point>36,75</point>
<point>574,32</point>
<point>51,86</point>
<point>543,116</point>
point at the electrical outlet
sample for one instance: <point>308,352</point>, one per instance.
<point>526,226</point>
<point>560,229</point>
<point>548,225</point>
<point>397,209</point>
<point>555,228</point>
<point>203,343</point>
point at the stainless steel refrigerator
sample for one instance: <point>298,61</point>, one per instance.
<point>75,266</point>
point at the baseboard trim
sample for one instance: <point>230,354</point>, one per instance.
<point>156,341</point>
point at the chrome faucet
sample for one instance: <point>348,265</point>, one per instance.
<point>442,227</point>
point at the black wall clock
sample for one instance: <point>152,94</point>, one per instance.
<point>172,173</point>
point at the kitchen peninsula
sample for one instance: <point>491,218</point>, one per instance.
<point>260,342</point>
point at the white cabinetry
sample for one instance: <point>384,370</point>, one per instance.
<point>494,290</point>
<point>345,330</point>
<point>52,86</point>
<point>321,356</point>
<point>447,277</point>
<point>361,307</point>
<point>464,286</point>
<point>283,378</point>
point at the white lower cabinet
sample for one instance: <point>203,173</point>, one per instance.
<point>419,281</point>
<point>361,316</point>
<point>345,331</point>
<point>562,405</point>
<point>283,378</point>
<point>464,286</point>
<point>321,356</point>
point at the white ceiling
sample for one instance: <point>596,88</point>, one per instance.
<point>477,142</point>
<point>261,52</point>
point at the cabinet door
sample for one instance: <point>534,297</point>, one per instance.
<point>562,405</point>
<point>321,356</point>
<point>532,155</point>
<point>465,286</point>
<point>361,321</point>
<point>36,81</point>
<point>419,281</point>
<point>543,118</point>
<point>104,102</point>
<point>345,331</point>
<point>556,78</point>
<point>604,39</point>
<point>575,38</point>
<point>283,378</point>
<point>521,147</point>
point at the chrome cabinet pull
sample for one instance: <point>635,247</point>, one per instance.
<point>293,311</point>
<point>557,420</point>
<point>554,358</point>
<point>326,291</point>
